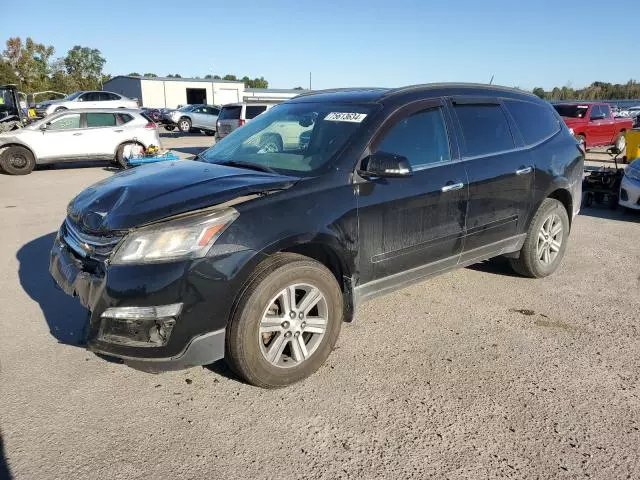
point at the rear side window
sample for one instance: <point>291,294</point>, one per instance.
<point>595,111</point>
<point>421,137</point>
<point>230,113</point>
<point>485,129</point>
<point>126,118</point>
<point>535,122</point>
<point>605,110</point>
<point>253,111</point>
<point>101,120</point>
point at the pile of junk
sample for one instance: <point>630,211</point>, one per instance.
<point>601,185</point>
<point>12,116</point>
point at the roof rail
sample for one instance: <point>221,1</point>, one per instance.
<point>409,88</point>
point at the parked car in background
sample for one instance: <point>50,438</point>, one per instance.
<point>84,100</point>
<point>76,135</point>
<point>630,186</point>
<point>154,114</point>
<point>258,255</point>
<point>192,117</point>
<point>594,124</point>
<point>234,115</point>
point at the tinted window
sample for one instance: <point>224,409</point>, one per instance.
<point>211,111</point>
<point>605,110</point>
<point>230,113</point>
<point>571,111</point>
<point>199,110</point>
<point>126,118</point>
<point>485,129</point>
<point>65,122</point>
<point>535,122</point>
<point>595,111</point>
<point>101,120</point>
<point>91,97</point>
<point>254,111</point>
<point>421,137</point>
<point>113,96</point>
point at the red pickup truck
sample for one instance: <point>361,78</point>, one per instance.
<point>594,124</point>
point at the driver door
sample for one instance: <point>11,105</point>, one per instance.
<point>62,139</point>
<point>411,226</point>
<point>90,100</point>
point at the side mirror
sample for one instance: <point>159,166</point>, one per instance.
<point>384,164</point>
<point>43,127</point>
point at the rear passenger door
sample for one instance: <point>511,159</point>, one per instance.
<point>500,176</point>
<point>102,134</point>
<point>416,221</point>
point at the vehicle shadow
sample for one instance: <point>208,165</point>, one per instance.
<point>496,266</point>
<point>64,315</point>
<point>221,368</point>
<point>74,165</point>
<point>603,211</point>
<point>5,473</point>
<point>189,150</point>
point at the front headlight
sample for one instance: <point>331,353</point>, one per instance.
<point>632,173</point>
<point>180,239</point>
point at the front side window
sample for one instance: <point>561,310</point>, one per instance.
<point>95,120</point>
<point>485,129</point>
<point>535,122</point>
<point>605,110</point>
<point>421,138</point>
<point>90,97</point>
<point>65,122</point>
<point>199,110</point>
<point>254,111</point>
<point>294,138</point>
<point>595,112</point>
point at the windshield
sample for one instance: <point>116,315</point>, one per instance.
<point>295,138</point>
<point>187,108</point>
<point>73,96</point>
<point>573,111</point>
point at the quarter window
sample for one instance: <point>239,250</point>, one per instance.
<point>101,120</point>
<point>535,122</point>
<point>421,138</point>
<point>254,111</point>
<point>66,122</point>
<point>485,129</point>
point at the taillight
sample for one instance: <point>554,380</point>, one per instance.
<point>151,125</point>
<point>241,122</point>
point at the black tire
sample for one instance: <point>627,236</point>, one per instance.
<point>243,349</point>
<point>620,142</point>
<point>184,124</point>
<point>582,140</point>
<point>529,263</point>
<point>120,160</point>
<point>59,109</point>
<point>588,199</point>
<point>613,201</point>
<point>17,160</point>
<point>169,128</point>
<point>271,142</point>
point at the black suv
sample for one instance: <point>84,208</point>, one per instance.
<point>258,251</point>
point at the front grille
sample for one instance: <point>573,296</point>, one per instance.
<point>86,245</point>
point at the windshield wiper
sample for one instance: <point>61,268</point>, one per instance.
<point>247,165</point>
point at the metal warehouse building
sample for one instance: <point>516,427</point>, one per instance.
<point>162,92</point>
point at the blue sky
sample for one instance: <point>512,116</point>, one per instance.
<point>345,43</point>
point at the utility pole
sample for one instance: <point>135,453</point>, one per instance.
<point>491,81</point>
<point>309,80</point>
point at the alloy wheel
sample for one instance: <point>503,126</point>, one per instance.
<point>293,325</point>
<point>550,239</point>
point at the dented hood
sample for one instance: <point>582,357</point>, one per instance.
<point>146,194</point>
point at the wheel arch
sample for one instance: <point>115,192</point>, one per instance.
<point>18,144</point>
<point>130,140</point>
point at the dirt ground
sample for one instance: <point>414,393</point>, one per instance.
<point>474,374</point>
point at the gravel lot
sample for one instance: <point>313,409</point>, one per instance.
<point>474,374</point>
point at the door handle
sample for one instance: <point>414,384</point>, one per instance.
<point>452,187</point>
<point>76,134</point>
<point>524,171</point>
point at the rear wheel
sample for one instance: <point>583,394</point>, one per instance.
<point>546,241</point>
<point>124,152</point>
<point>169,128</point>
<point>286,323</point>
<point>184,124</point>
<point>621,142</point>
<point>17,160</point>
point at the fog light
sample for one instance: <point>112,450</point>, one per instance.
<point>139,326</point>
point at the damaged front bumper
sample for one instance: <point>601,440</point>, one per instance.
<point>157,317</point>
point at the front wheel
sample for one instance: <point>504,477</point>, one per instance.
<point>286,322</point>
<point>17,160</point>
<point>546,241</point>
<point>621,142</point>
<point>184,125</point>
<point>169,128</point>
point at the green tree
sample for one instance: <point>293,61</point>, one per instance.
<point>208,77</point>
<point>151,75</point>
<point>539,92</point>
<point>84,65</point>
<point>29,61</point>
<point>259,83</point>
<point>217,77</point>
<point>7,73</point>
<point>174,75</point>
<point>230,77</point>
<point>134,74</point>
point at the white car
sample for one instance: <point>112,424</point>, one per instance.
<point>630,186</point>
<point>76,135</point>
<point>84,100</point>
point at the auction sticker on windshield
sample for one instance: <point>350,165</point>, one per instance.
<point>345,117</point>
